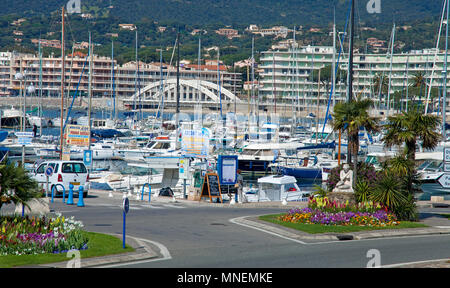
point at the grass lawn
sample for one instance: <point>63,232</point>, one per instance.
<point>98,245</point>
<point>317,228</point>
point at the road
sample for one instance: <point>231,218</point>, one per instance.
<point>204,237</point>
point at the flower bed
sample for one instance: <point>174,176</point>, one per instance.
<point>322,211</point>
<point>25,236</point>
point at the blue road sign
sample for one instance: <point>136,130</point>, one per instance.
<point>126,205</point>
<point>87,157</point>
<point>49,171</point>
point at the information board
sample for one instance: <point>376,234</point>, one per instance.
<point>195,143</point>
<point>211,187</point>
<point>77,135</point>
<point>227,167</point>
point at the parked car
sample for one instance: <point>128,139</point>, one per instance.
<point>64,173</point>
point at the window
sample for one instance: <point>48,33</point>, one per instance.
<point>41,169</point>
<point>73,168</point>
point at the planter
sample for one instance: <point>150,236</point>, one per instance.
<point>37,207</point>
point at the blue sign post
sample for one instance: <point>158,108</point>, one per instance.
<point>126,208</point>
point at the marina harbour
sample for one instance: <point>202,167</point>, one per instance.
<point>128,150</point>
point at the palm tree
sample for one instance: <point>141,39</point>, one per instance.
<point>16,185</point>
<point>409,128</point>
<point>350,117</point>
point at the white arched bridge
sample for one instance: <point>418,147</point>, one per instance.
<point>191,92</point>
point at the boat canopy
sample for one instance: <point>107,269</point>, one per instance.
<point>106,133</point>
<point>278,179</point>
<point>331,145</point>
<point>3,135</point>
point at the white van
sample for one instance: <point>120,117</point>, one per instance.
<point>64,173</point>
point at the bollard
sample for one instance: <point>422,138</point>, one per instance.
<point>80,197</point>
<point>149,192</point>
<point>64,195</point>
<point>53,189</point>
<point>70,198</point>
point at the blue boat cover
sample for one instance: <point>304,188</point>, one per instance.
<point>331,145</point>
<point>3,135</point>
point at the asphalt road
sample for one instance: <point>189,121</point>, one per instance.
<point>204,237</point>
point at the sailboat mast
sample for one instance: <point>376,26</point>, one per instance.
<point>350,73</point>
<point>334,61</point>
<point>444,104</point>
<point>40,87</point>
<point>62,85</point>
<point>390,71</point>
<point>90,88</point>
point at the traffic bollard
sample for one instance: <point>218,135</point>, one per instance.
<point>80,197</point>
<point>70,198</point>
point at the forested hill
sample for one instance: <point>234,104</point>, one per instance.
<point>235,12</point>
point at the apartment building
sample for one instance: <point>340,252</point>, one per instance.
<point>287,75</point>
<point>128,78</point>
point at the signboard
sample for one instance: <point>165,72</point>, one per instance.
<point>126,205</point>
<point>184,169</point>
<point>24,134</point>
<point>87,157</point>
<point>66,154</point>
<point>77,135</point>
<point>24,141</point>
<point>211,187</point>
<point>24,138</point>
<point>195,143</point>
<point>48,171</point>
<point>446,167</point>
<point>227,168</point>
<point>444,180</point>
<point>446,154</point>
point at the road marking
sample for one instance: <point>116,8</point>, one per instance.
<point>162,250</point>
<point>152,206</point>
<point>411,263</point>
<point>173,206</point>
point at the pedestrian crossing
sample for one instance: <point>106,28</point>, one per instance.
<point>138,206</point>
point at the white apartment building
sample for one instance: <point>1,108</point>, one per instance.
<point>287,74</point>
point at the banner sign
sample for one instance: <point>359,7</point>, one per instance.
<point>195,143</point>
<point>77,135</point>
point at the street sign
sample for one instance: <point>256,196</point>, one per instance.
<point>87,157</point>
<point>446,167</point>
<point>184,169</point>
<point>49,171</point>
<point>446,154</point>
<point>444,180</point>
<point>126,205</point>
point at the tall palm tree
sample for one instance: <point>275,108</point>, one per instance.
<point>409,128</point>
<point>350,117</point>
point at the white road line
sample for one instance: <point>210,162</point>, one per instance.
<point>173,206</point>
<point>411,263</point>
